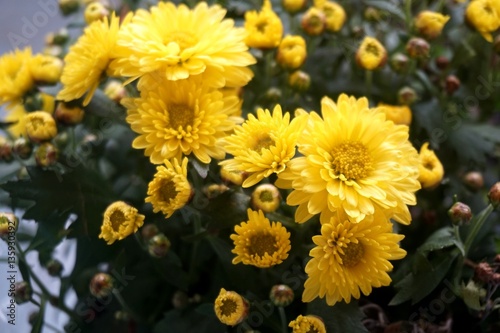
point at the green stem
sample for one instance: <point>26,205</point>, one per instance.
<point>124,304</point>
<point>192,264</point>
<point>284,326</point>
<point>408,16</point>
<point>477,224</point>
<point>369,82</point>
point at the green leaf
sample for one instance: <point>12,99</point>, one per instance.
<point>439,240</point>
<point>341,317</point>
<point>470,145</point>
<point>38,324</point>
<point>189,321</point>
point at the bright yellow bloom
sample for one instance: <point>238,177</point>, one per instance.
<point>354,161</point>
<point>334,13</point>
<point>292,52</point>
<point>264,28</point>
<point>263,145</point>
<point>177,42</point>
<point>40,126</point>
<point>484,16</point>
<point>181,117</point>
<point>351,258</point>
<point>88,59</point>
<point>371,54</point>
<point>169,190</point>
<point>400,115</point>
<point>120,220</point>
<point>45,69</point>
<point>306,324</point>
<point>430,169</point>
<point>259,242</point>
<point>230,307</point>
<point>15,76</point>
<point>430,24</point>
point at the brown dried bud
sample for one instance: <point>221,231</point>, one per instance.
<point>180,300</point>
<point>407,96</point>
<point>452,84</point>
<point>214,190</point>
<point>418,48</point>
<point>5,149</point>
<point>158,246</point>
<point>474,180</point>
<point>460,213</point>
<point>54,267</point>
<point>46,154</point>
<point>101,285</point>
<point>68,115</point>
<point>313,21</point>
<point>483,272</point>
<point>494,194</point>
<point>281,295</point>
<point>22,292</point>
<point>442,62</point>
<point>399,62</point>
<point>22,148</point>
<point>149,231</point>
<point>299,80</point>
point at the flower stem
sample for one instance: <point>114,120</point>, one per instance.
<point>284,326</point>
<point>408,15</point>
<point>124,304</point>
<point>478,223</point>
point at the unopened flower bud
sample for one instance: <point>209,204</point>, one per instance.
<point>40,126</point>
<point>214,190</point>
<point>313,22</point>
<point>430,24</point>
<point>400,62</point>
<point>22,292</point>
<point>494,194</point>
<point>95,11</point>
<point>460,213</point>
<point>68,115</point>
<point>159,246</point>
<point>291,52</point>
<point>22,148</point>
<point>483,272</point>
<point>299,80</point>
<point>180,300</point>
<point>371,54</point>
<point>293,6</point>
<point>452,84</point>
<point>335,15</point>
<point>46,154</point>
<point>407,96</point>
<point>266,197</point>
<point>54,267</point>
<point>273,94</point>
<point>230,307</point>
<point>101,285</point>
<point>122,316</point>
<point>442,62</point>
<point>474,180</point>
<point>53,50</point>
<point>45,69</point>
<point>115,90</point>
<point>418,48</point>
<point>149,231</point>
<point>8,226</point>
<point>5,149</point>
<point>61,37</point>
<point>33,317</point>
<point>232,176</point>
<point>281,295</point>
<point>372,14</point>
<point>69,6</point>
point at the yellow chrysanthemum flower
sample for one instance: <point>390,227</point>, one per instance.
<point>354,161</point>
<point>351,258</point>
<point>175,42</point>
<point>264,28</point>
<point>334,13</point>
<point>15,76</point>
<point>430,24</point>
<point>40,126</point>
<point>292,52</point>
<point>263,145</point>
<point>88,59</point>
<point>307,324</point>
<point>45,69</point>
<point>259,242</point>
<point>293,6</point>
<point>230,307</point>
<point>484,16</point>
<point>16,113</point>
<point>430,169</point>
<point>371,54</point>
<point>399,114</point>
<point>120,220</point>
<point>182,117</point>
<point>170,189</point>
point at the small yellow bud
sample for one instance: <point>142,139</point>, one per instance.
<point>335,15</point>
<point>8,226</point>
<point>264,28</point>
<point>313,21</point>
<point>299,80</point>
<point>292,52</point>
<point>266,197</point>
<point>430,24</point>
<point>431,170</point>
<point>234,176</point>
<point>308,323</point>
<point>293,6</point>
<point>115,90</point>
<point>371,54</point>
<point>95,11</point>
<point>46,154</point>
<point>400,115</point>
<point>68,115</point>
<point>69,6</point>
<point>40,126</point>
<point>158,246</point>
<point>45,69</point>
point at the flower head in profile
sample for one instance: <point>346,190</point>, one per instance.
<point>335,15</point>
<point>292,52</point>
<point>40,126</point>
<point>351,258</point>
<point>430,24</point>
<point>430,169</point>
<point>230,307</point>
<point>354,160</point>
<point>179,118</point>
<point>262,145</point>
<point>15,76</point>
<point>484,16</point>
<point>371,54</point>
<point>120,220</point>
<point>176,42</point>
<point>259,242</point>
<point>45,69</point>
<point>306,324</point>
<point>16,114</point>
<point>169,190</point>
<point>399,114</point>
<point>88,59</point>
<point>264,28</point>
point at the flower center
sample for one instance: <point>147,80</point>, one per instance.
<point>167,191</point>
<point>263,142</point>
<point>228,307</point>
<point>37,122</point>
<point>266,196</point>
<point>180,116</point>
<point>351,161</point>
<point>183,38</point>
<point>117,218</point>
<point>373,49</point>
<point>352,254</point>
<point>261,244</point>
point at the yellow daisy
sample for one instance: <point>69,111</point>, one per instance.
<point>169,190</point>
<point>263,145</point>
<point>371,54</point>
<point>484,16</point>
<point>120,220</point>
<point>15,75</point>
<point>307,324</point>
<point>182,117</point>
<point>351,258</point>
<point>264,28</point>
<point>292,52</point>
<point>88,59</point>
<point>431,170</point>
<point>230,307</point>
<point>355,161</point>
<point>259,242</point>
<point>175,42</point>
